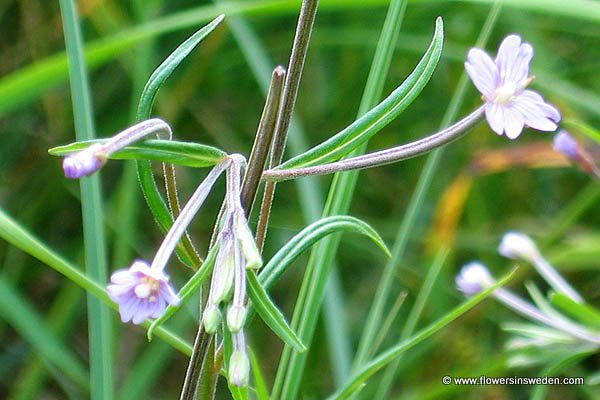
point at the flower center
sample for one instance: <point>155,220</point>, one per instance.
<point>505,93</point>
<point>147,289</point>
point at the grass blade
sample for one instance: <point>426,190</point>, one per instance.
<point>99,319</point>
<point>28,323</point>
<point>13,233</point>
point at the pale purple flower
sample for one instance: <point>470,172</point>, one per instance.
<point>509,106</point>
<point>473,278</point>
<point>141,292</point>
<point>84,162</point>
<point>564,143</point>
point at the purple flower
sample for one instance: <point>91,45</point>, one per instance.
<point>84,162</point>
<point>509,106</point>
<point>473,278</point>
<point>564,143</point>
<point>141,292</point>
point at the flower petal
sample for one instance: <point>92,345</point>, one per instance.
<point>128,308</point>
<point>513,123</point>
<point>531,99</point>
<point>167,292</point>
<point>144,311</point>
<point>482,71</point>
<point>513,60</point>
<point>535,112</point>
<point>494,114</point>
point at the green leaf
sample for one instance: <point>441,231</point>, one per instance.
<point>181,153</point>
<point>580,311</point>
<point>186,292</point>
<point>377,118</point>
<point>311,235</point>
<point>271,314</point>
<point>207,381</point>
<point>165,69</point>
<point>153,197</point>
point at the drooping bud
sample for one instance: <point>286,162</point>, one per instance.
<point>239,368</point>
<point>517,245</point>
<point>211,318</point>
<point>247,242</point>
<point>473,278</point>
<point>236,317</point>
<point>84,162</point>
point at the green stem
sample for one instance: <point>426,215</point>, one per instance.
<point>322,257</point>
<point>306,20</point>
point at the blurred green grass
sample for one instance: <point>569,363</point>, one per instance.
<point>214,98</point>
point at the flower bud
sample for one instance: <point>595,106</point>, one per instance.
<point>84,162</point>
<point>247,242</point>
<point>224,270</point>
<point>211,318</point>
<point>473,278</point>
<point>517,245</point>
<point>239,368</point>
<point>236,317</point>
<point>564,143</point>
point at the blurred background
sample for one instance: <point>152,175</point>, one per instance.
<point>485,186</point>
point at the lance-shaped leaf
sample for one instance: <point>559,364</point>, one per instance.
<point>270,313</point>
<point>160,75</point>
<point>583,312</point>
<point>311,235</point>
<point>153,197</point>
<point>377,118</point>
<point>181,153</point>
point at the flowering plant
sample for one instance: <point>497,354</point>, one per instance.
<point>190,237</point>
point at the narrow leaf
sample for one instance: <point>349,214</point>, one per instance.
<point>271,314</point>
<point>381,115</point>
<point>181,153</point>
<point>308,237</point>
<point>165,70</point>
<point>153,197</point>
<point>581,311</point>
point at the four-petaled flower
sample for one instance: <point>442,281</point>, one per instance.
<point>141,292</point>
<point>509,106</point>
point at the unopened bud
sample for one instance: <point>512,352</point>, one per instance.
<point>84,162</point>
<point>211,318</point>
<point>236,317</point>
<point>248,244</point>
<point>473,278</point>
<point>239,368</point>
<point>517,245</point>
